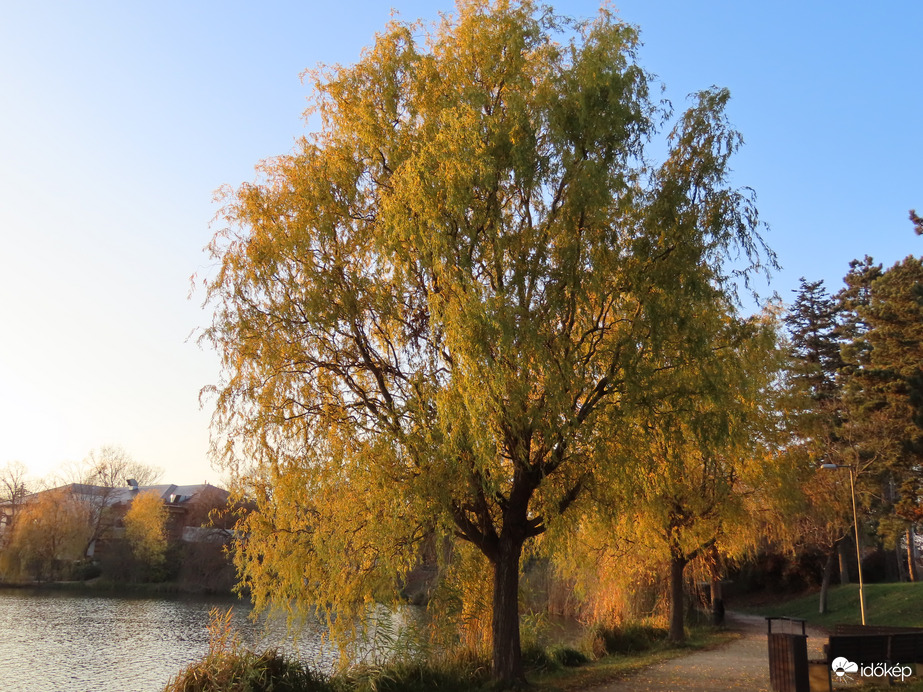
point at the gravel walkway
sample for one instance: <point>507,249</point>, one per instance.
<point>742,664</point>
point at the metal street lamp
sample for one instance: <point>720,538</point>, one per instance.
<point>855,519</point>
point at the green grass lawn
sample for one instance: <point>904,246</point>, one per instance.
<point>899,605</point>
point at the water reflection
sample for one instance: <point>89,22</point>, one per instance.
<point>65,643</point>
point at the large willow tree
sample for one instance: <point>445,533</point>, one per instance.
<point>432,314</point>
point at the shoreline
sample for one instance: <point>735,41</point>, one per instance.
<point>100,586</point>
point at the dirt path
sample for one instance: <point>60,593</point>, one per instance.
<point>739,665</point>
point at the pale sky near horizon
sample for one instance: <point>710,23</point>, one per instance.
<point>118,121</point>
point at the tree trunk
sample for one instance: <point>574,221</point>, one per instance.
<point>828,576</point>
<point>677,628</point>
<point>504,551</point>
<point>902,566</point>
<point>507,652</point>
<point>912,553</point>
<point>844,561</point>
<point>717,602</point>
<point>717,594</point>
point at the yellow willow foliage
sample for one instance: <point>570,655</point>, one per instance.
<point>705,455</point>
<point>146,528</point>
<point>460,609</point>
<point>613,579</point>
<point>49,532</point>
<point>325,534</point>
<point>701,473</point>
<point>435,312</point>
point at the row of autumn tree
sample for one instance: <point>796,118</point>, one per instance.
<point>857,379</point>
<point>56,529</point>
<point>473,312</point>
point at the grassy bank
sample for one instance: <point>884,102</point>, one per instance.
<point>228,666</point>
<point>898,605</point>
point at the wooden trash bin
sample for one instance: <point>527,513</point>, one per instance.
<point>788,656</point>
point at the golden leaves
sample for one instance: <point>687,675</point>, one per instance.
<point>146,528</point>
<point>441,312</point>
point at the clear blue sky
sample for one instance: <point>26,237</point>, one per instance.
<point>118,120</point>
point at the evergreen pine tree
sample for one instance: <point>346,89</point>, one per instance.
<point>816,378</point>
<point>884,356</point>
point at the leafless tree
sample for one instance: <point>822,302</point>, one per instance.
<point>13,490</point>
<point>111,466</point>
<point>99,475</point>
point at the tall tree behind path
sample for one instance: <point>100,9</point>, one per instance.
<point>431,314</point>
<point>885,357</point>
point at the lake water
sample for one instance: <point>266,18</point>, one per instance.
<point>60,642</point>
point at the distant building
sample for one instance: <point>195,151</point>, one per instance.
<point>188,508</point>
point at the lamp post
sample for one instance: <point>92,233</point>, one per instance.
<point>855,519</point>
